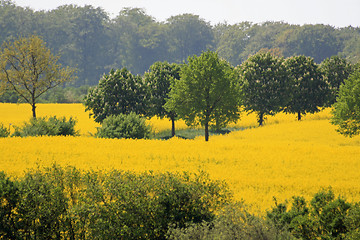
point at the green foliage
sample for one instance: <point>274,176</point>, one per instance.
<point>158,80</point>
<point>124,126</point>
<point>207,93</point>
<point>346,112</point>
<point>4,131</point>
<point>325,217</point>
<point>65,203</point>
<point>265,84</point>
<point>44,126</point>
<point>188,35</point>
<point>308,90</point>
<point>88,38</point>
<point>28,67</point>
<point>9,198</point>
<point>335,70</point>
<point>118,92</point>
<point>232,222</point>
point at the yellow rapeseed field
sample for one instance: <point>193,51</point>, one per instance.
<point>283,158</point>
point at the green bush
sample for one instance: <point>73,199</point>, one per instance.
<point>4,132</point>
<point>43,126</point>
<point>325,217</point>
<point>64,203</point>
<point>124,126</point>
<point>232,222</point>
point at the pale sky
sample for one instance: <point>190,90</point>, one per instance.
<point>337,13</point>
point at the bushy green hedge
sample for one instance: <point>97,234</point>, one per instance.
<point>65,203</point>
<point>324,217</point>
<point>232,222</point>
<point>43,126</point>
<point>124,126</point>
<point>4,132</point>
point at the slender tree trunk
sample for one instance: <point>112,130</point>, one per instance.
<point>207,131</point>
<point>172,127</point>
<point>260,118</point>
<point>33,110</point>
<point>299,115</point>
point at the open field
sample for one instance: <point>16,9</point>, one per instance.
<point>281,159</point>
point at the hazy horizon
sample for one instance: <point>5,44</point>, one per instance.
<point>336,13</point>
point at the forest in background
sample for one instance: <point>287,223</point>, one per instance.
<point>90,40</point>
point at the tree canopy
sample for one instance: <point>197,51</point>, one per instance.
<point>308,90</point>
<point>117,92</point>
<point>158,80</point>
<point>87,38</point>
<point>346,112</point>
<point>29,68</point>
<point>265,87</point>
<point>207,93</point>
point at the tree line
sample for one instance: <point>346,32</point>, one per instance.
<point>205,90</point>
<point>208,91</point>
<point>89,40</point>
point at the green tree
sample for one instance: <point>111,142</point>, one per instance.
<point>231,41</point>
<point>264,84</point>
<point>317,41</point>
<point>137,40</point>
<point>335,70</point>
<point>207,93</point>
<point>308,90</point>
<point>28,67</point>
<point>188,34</point>
<point>159,79</point>
<point>118,92</point>
<point>346,111</point>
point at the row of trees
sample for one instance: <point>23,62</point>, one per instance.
<point>208,91</point>
<point>88,39</point>
<point>205,91</point>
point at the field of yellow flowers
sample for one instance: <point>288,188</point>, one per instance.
<point>281,159</point>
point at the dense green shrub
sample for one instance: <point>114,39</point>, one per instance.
<point>4,132</point>
<point>124,126</point>
<point>43,126</point>
<point>325,217</point>
<point>64,203</point>
<point>232,222</point>
<point>9,200</point>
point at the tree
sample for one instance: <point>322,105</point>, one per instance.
<point>346,111</point>
<point>335,70</point>
<point>118,92</point>
<point>264,84</point>
<point>317,41</point>
<point>138,40</point>
<point>308,90</point>
<point>29,68</point>
<point>159,79</point>
<point>207,93</point>
<point>188,35</point>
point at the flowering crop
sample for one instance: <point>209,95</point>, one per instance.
<point>281,159</point>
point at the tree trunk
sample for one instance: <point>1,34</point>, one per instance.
<point>173,127</point>
<point>33,110</point>
<point>207,131</point>
<point>299,116</point>
<point>260,118</point>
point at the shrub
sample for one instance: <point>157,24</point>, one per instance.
<point>58,203</point>
<point>4,132</point>
<point>9,199</point>
<point>124,126</point>
<point>51,126</point>
<point>233,222</point>
<point>326,217</point>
